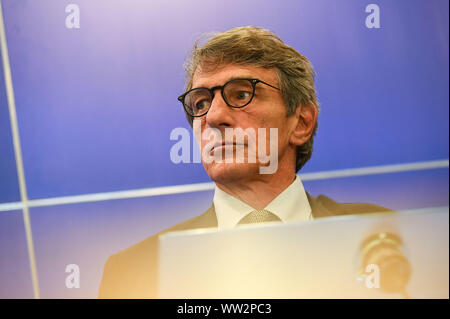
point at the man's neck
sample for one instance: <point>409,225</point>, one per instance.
<point>260,192</point>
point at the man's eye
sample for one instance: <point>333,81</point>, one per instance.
<point>243,95</point>
<point>202,104</point>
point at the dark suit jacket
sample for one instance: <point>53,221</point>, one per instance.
<point>132,273</point>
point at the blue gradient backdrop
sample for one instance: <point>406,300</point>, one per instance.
<point>96,106</point>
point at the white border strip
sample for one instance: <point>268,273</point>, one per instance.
<point>146,192</point>
<point>395,168</point>
<point>18,153</point>
<point>199,187</point>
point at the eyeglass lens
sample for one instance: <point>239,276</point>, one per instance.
<point>237,93</point>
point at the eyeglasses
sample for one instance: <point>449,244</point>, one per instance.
<point>236,93</point>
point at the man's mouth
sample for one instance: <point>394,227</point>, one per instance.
<point>225,145</point>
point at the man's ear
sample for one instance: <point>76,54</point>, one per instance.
<point>306,118</point>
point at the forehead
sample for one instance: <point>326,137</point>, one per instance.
<point>206,77</point>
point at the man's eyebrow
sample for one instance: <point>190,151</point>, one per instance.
<point>231,78</point>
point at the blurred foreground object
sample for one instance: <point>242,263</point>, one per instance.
<point>409,252</point>
<point>385,251</point>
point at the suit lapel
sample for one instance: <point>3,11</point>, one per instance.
<point>208,219</point>
<point>317,209</point>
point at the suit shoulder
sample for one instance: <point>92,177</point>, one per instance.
<point>132,272</point>
<point>350,208</point>
<point>149,244</point>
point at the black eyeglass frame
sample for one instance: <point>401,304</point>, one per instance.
<point>221,87</point>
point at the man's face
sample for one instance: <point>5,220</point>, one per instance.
<point>266,110</point>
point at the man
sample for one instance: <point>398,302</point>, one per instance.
<point>247,79</point>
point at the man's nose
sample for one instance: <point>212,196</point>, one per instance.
<point>219,113</point>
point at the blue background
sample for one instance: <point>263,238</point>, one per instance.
<point>96,106</point>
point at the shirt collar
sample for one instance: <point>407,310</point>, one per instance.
<point>291,205</point>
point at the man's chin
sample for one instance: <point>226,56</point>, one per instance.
<point>229,172</point>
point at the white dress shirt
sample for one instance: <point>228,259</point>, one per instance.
<point>291,205</point>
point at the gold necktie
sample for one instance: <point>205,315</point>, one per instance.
<point>259,216</point>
